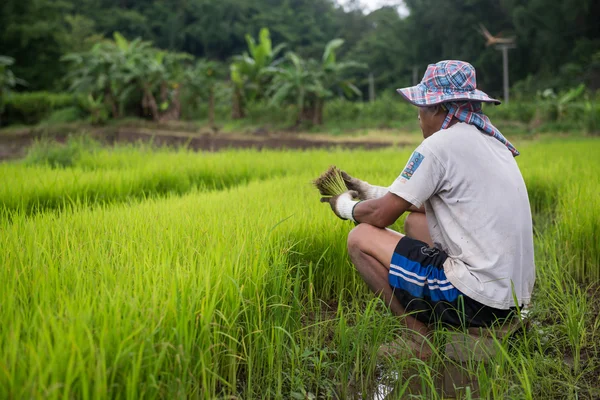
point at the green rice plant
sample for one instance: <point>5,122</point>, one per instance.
<point>210,312</point>
<point>176,274</point>
<point>105,176</point>
<point>331,182</point>
<point>578,229</point>
<point>55,155</point>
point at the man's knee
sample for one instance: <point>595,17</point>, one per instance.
<point>409,223</point>
<point>414,222</point>
<point>415,226</point>
<point>357,237</point>
<point>369,242</point>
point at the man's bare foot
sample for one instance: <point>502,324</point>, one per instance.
<point>409,345</point>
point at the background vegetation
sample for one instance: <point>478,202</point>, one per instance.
<point>201,59</point>
<point>558,43</point>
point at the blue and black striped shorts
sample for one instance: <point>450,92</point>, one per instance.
<point>420,284</point>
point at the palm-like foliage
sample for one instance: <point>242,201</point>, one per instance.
<point>297,82</point>
<point>201,81</point>
<point>8,81</point>
<point>309,83</point>
<point>333,72</point>
<point>107,71</point>
<point>250,73</point>
<point>115,71</point>
<point>159,74</point>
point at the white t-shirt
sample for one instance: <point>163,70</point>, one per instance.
<point>477,211</point>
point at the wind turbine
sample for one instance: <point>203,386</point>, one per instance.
<point>502,44</point>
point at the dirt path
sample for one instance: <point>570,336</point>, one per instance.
<point>216,142</point>
<point>14,144</point>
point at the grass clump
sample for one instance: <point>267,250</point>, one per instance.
<point>331,182</point>
<point>47,152</point>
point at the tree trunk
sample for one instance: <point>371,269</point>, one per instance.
<point>145,105</point>
<point>174,110</point>
<point>308,112</point>
<point>109,99</point>
<point>151,102</point>
<point>299,116</point>
<point>237,109</point>
<point>211,107</point>
<point>318,112</point>
<point>2,106</point>
<point>177,102</point>
<point>164,92</point>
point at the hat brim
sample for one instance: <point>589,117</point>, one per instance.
<point>419,96</point>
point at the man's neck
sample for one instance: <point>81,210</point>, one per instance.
<point>453,122</point>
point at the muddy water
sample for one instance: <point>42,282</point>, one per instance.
<point>452,381</point>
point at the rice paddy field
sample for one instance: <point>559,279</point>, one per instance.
<point>139,273</point>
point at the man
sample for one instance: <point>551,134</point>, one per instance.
<point>466,258</point>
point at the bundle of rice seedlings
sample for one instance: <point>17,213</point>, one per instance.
<point>331,182</point>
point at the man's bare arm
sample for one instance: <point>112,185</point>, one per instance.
<point>381,212</point>
<point>417,209</point>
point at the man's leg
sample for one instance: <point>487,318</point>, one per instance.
<point>415,227</point>
<point>371,250</point>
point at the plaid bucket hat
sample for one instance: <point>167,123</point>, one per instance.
<point>453,83</point>
<point>445,81</point>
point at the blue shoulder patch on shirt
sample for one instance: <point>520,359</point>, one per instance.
<point>413,163</point>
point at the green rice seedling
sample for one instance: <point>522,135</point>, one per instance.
<point>106,177</point>
<point>237,283</point>
<point>55,155</point>
<point>207,306</point>
<point>331,182</point>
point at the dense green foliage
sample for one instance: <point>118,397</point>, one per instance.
<point>391,111</point>
<point>194,276</point>
<point>339,115</point>
<point>8,81</point>
<point>115,72</point>
<point>147,59</point>
<point>250,71</point>
<point>558,44</point>
<point>33,107</point>
<point>118,77</point>
<point>309,83</point>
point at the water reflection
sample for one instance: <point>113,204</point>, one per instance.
<point>450,381</point>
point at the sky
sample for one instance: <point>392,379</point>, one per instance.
<point>371,5</point>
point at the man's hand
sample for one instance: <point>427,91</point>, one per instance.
<point>342,204</point>
<point>364,189</point>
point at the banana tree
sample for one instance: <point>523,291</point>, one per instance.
<point>250,71</point>
<point>202,80</point>
<point>8,81</point>
<point>333,76</point>
<point>156,73</point>
<point>106,72</point>
<point>117,71</point>
<point>296,83</point>
<point>159,75</point>
<point>566,98</point>
<point>309,83</point>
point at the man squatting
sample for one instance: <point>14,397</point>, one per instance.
<point>466,256</point>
